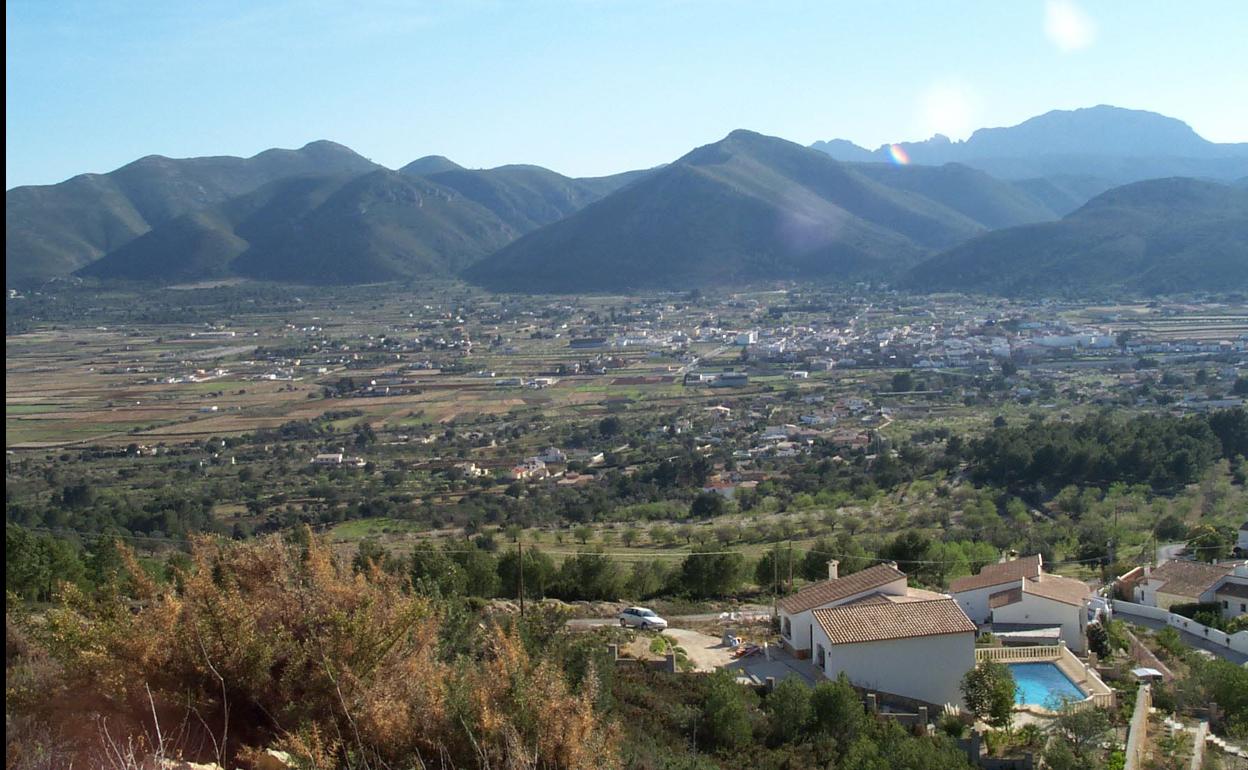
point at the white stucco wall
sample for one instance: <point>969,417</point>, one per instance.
<point>801,625</point>
<point>1232,606</point>
<point>1037,609</point>
<point>975,602</point>
<point>927,668</point>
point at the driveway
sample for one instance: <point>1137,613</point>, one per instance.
<point>746,614</point>
<point>706,653</point>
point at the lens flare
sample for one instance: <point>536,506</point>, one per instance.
<point>899,155</point>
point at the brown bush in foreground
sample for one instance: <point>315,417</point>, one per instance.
<point>274,643</point>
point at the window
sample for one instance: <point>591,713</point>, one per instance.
<point>788,629</point>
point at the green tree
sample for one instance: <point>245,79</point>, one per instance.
<point>1082,729</point>
<point>705,573</point>
<point>708,505</point>
<point>989,692</point>
<point>725,720</point>
<point>539,573</point>
<point>788,709</point>
<point>591,576</point>
<point>433,571</point>
<point>838,711</point>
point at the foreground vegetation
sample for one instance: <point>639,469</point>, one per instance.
<point>276,643</point>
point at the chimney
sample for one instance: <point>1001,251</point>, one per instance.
<point>833,569</point>
<point>892,564</point>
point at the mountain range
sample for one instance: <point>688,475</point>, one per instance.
<point>1110,144</point>
<point>52,230</point>
<point>753,206</point>
<point>1025,209</point>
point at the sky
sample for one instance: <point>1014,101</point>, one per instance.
<point>587,87</point>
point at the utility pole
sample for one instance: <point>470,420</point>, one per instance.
<point>520,559</point>
<point>775,579</point>
<point>790,565</point>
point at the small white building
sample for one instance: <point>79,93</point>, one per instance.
<point>553,455</point>
<point>973,592</point>
<point>1241,544</point>
<point>531,468</point>
<point>1042,602</point>
<point>1232,593</point>
<point>917,648</point>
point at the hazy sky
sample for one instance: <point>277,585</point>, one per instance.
<point>587,86</point>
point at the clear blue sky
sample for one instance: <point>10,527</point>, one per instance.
<point>587,86</point>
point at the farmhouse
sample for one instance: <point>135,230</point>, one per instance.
<point>1180,582</point>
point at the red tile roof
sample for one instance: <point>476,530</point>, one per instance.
<point>858,623</point>
<point>1059,589</point>
<point>1188,578</point>
<point>831,591</point>
<point>999,574</point>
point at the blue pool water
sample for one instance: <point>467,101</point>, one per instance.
<point>1043,684</point>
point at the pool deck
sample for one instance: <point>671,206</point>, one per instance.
<point>1098,693</point>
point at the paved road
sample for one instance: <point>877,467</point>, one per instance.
<point>1169,552</point>
<point>1190,639</point>
<point>747,614</point>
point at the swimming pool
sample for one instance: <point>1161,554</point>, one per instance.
<point>1043,684</point>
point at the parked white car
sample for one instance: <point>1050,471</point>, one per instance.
<point>640,617</point>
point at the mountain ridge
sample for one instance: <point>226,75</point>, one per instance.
<point>1121,145</point>
<point>1151,237</point>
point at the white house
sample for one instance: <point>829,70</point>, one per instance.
<point>797,610</point>
<point>553,455</point>
<point>973,592</point>
<point>916,647</point>
<point>531,468</point>
<point>1044,602</point>
<point>1232,593</point>
<point>1180,582</point>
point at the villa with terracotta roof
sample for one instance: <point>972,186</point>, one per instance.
<point>796,611</point>
<point>1024,604</point>
<point>882,634</point>
<point>973,592</point>
<point>1044,602</point>
<point>1190,582</point>
<point>917,646</point>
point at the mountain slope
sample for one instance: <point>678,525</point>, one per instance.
<point>329,229</point>
<point>1063,194</point>
<point>1157,236</point>
<point>978,196</point>
<point>523,197</point>
<point>1112,143</point>
<point>52,230</point>
<point>340,229</point>
<point>746,208</point>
